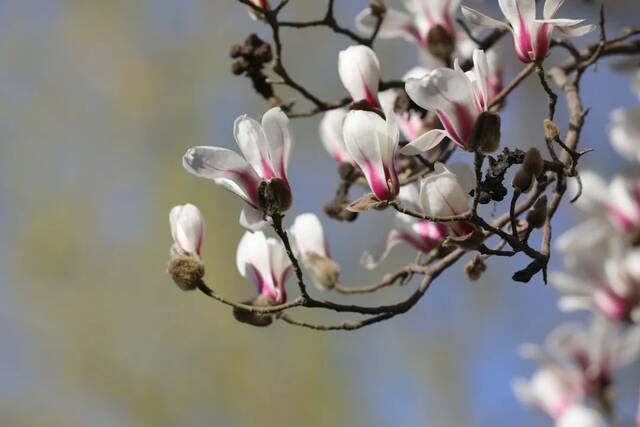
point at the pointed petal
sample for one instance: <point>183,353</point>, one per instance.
<point>359,71</point>
<point>551,7</point>
<point>425,142</point>
<point>441,194</point>
<point>252,219</point>
<point>481,19</point>
<point>481,72</point>
<point>252,260</point>
<point>280,265</point>
<point>253,144</point>
<point>276,127</point>
<point>187,228</point>
<point>577,31</point>
<point>518,11</point>
<point>226,168</point>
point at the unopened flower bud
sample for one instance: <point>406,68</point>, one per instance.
<point>378,7</point>
<point>325,270</point>
<point>274,196</point>
<point>475,268</point>
<point>486,133</point>
<point>533,162</point>
<point>254,318</point>
<point>186,271</point>
<point>522,181</point>
<point>537,215</point>
<point>550,130</point>
<point>440,42</point>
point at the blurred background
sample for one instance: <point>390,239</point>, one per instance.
<point>100,99</point>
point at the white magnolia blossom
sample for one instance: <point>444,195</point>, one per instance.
<point>411,123</point>
<point>624,130</point>
<point>264,262</point>
<point>615,294</point>
<point>187,229</point>
<point>330,129</point>
<point>265,149</point>
<point>531,36</point>
<point>359,71</point>
<point>373,142</point>
<point>445,194</point>
<point>414,26</point>
<point>553,388</point>
<point>420,234</point>
<point>262,4</point>
<point>581,416</point>
<point>456,97</point>
<point>596,351</point>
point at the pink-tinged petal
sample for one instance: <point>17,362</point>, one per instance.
<point>359,71</point>
<point>425,142</point>
<point>226,168</point>
<point>441,194</point>
<point>517,11</point>
<point>410,195</point>
<point>624,132</point>
<point>253,262</point>
<point>331,135</point>
<point>481,19</point>
<point>254,146</point>
<point>450,94</point>
<point>624,203</point>
<point>395,24</point>
<point>309,236</point>
<point>481,73</point>
<point>280,142</point>
<point>611,305</point>
<point>576,31</point>
<point>394,238</point>
<point>367,139</point>
<point>581,416</point>
<point>187,228</point>
<point>281,267</point>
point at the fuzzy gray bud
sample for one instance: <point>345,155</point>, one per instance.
<point>533,162</point>
<point>251,317</point>
<point>475,268</point>
<point>537,215</point>
<point>522,181</point>
<point>325,270</point>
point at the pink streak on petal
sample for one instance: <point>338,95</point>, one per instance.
<point>613,306</point>
<point>543,41</point>
<point>378,183</point>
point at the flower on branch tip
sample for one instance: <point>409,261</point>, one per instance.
<point>359,71</point>
<point>459,99</point>
<point>330,130</point>
<point>262,4</point>
<point>531,36</point>
<point>265,149</point>
<point>187,231</point>
<point>312,244</point>
<point>372,143</point>
<point>429,23</point>
<point>422,235</point>
<point>264,262</point>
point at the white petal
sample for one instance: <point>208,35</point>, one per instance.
<point>464,174</point>
<point>594,191</point>
<point>308,234</point>
<point>624,132</point>
<point>395,24</point>
<point>279,262</point>
<point>514,10</point>
<point>226,168</point>
<point>573,303</point>
<point>581,416</point>
<point>551,7</point>
<point>252,260</point>
<point>577,31</point>
<point>187,228</point>
<point>570,284</point>
<point>276,127</point>
<point>481,72</point>
<point>442,195</point>
<point>252,219</point>
<point>371,261</point>
<point>425,142</point>
<point>331,134</point>
<point>522,390</point>
<point>410,195</point>
<point>481,19</point>
<point>359,71</point>
<point>254,146</point>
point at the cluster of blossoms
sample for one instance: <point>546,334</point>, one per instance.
<point>396,143</point>
<point>602,257</point>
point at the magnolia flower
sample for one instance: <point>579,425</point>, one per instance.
<point>265,152</point>
<point>331,135</point>
<point>187,229</point>
<point>614,214</point>
<point>312,245</point>
<point>359,71</point>
<point>372,142</point>
<point>615,294</point>
<point>264,262</point>
<point>411,123</point>
<point>262,4</point>
<point>581,416</point>
<point>531,36</point>
<point>624,130</point>
<point>422,235</point>
<point>456,97</point>
<point>553,388</point>
<point>416,26</point>
<point>597,351</point>
<point>445,194</point>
